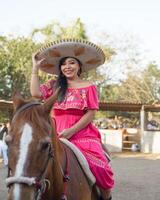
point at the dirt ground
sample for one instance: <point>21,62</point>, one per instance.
<point>137,177</point>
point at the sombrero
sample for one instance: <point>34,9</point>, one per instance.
<point>89,54</point>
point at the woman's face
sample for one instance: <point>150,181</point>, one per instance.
<point>70,68</point>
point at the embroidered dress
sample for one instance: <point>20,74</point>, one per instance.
<point>76,103</point>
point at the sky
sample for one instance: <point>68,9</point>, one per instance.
<point>140,18</point>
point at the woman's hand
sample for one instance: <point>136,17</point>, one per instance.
<point>66,133</point>
<point>37,63</point>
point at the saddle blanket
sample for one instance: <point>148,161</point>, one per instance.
<point>82,160</point>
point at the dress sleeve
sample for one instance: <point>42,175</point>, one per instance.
<point>92,99</point>
<point>47,89</point>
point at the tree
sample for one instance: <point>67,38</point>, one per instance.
<point>126,56</point>
<point>15,56</point>
<point>54,31</point>
<point>142,88</point>
<point>151,77</point>
<point>15,65</point>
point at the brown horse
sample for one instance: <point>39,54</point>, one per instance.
<point>40,166</point>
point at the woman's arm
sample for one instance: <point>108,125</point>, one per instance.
<point>35,85</point>
<point>82,123</point>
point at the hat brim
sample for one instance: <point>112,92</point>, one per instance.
<point>89,54</point>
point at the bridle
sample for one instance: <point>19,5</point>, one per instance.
<point>39,183</point>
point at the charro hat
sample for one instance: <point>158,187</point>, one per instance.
<point>89,54</point>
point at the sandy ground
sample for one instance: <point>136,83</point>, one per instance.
<point>3,174</point>
<point>137,177</point>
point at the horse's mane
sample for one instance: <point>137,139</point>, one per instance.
<point>35,115</point>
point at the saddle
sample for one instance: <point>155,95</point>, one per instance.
<point>84,164</point>
<point>82,161</point>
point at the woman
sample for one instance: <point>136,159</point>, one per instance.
<point>77,101</point>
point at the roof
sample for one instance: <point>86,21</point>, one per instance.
<point>6,105</point>
<point>120,106</point>
<point>152,108</point>
<point>128,106</point>
<point>105,106</point>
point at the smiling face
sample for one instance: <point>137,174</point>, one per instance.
<point>70,68</point>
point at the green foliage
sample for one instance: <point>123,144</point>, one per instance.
<point>109,93</point>
<point>15,56</point>
<point>16,53</point>
<point>4,116</point>
<point>54,31</point>
<point>142,88</point>
<point>151,78</point>
<point>15,65</point>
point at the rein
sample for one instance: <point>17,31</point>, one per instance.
<point>66,176</point>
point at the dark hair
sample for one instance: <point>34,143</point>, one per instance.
<point>61,81</point>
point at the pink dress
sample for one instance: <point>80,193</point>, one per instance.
<point>88,139</point>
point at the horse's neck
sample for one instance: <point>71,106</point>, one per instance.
<point>57,165</point>
<point>59,161</point>
<point>60,154</point>
<point>58,148</point>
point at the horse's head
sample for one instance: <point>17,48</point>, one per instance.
<point>30,144</point>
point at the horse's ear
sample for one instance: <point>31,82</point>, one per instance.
<point>18,100</point>
<point>50,101</point>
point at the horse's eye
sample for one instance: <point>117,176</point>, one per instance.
<point>45,145</point>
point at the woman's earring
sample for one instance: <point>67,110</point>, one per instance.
<point>79,73</point>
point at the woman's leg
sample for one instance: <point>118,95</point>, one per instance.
<point>106,194</point>
<point>99,165</point>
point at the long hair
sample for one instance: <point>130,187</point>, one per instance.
<point>61,81</point>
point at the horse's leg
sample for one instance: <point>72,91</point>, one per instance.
<point>95,195</point>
